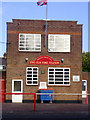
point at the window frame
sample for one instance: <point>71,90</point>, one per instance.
<point>17,80</point>
<point>54,43</point>
<point>25,43</point>
<point>33,77</point>
<point>63,76</point>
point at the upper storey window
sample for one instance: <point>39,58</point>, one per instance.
<point>58,43</point>
<point>29,42</point>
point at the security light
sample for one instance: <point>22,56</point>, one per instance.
<point>62,60</point>
<point>26,59</point>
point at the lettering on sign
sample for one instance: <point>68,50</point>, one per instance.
<point>44,60</point>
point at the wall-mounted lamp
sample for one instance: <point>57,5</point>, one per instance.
<point>26,59</point>
<point>62,60</point>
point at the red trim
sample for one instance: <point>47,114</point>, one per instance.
<point>19,93</point>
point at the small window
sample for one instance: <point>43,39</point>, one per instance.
<point>59,76</point>
<point>32,76</point>
<point>29,42</point>
<point>58,43</point>
<point>17,85</point>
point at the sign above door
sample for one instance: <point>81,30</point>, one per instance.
<point>44,60</point>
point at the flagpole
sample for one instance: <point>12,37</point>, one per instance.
<point>46,26</point>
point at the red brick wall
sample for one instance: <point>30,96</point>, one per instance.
<point>16,64</point>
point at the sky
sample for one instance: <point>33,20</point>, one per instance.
<point>77,11</point>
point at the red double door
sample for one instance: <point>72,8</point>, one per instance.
<point>2,90</point>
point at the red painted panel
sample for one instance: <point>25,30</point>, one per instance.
<point>44,60</point>
<point>2,90</point>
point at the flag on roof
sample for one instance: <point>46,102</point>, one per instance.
<point>42,2</point>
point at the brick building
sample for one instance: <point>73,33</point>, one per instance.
<point>31,64</point>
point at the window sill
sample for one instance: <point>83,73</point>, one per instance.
<point>29,51</point>
<point>31,85</point>
<point>57,52</point>
<point>60,85</point>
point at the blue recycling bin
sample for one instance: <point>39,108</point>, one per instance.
<point>46,97</point>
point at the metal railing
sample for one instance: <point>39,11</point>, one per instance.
<point>36,94</point>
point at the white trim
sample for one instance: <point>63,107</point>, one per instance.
<point>63,76</point>
<point>84,92</point>
<point>13,86</point>
<point>34,42</point>
<point>86,84</point>
<point>17,98</point>
<point>32,75</point>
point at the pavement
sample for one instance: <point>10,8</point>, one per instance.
<point>53,111</point>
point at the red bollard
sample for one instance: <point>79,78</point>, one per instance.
<point>87,98</point>
<point>34,102</point>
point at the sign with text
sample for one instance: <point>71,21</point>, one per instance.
<point>44,60</point>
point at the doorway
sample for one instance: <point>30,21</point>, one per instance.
<point>84,88</point>
<point>17,87</point>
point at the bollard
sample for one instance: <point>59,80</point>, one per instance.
<point>87,98</point>
<point>34,102</point>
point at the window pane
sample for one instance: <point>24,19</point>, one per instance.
<point>58,83</point>
<point>22,49</point>
<point>32,76</point>
<point>61,43</point>
<point>22,35</point>
<point>58,72</point>
<point>58,76</point>
<point>66,69</point>
<point>83,86</point>
<point>30,42</point>
<point>17,85</point>
<point>51,82</point>
<point>59,80</point>
<point>29,82</point>
<point>34,82</point>
<point>51,69</point>
<point>29,68</point>
<point>51,72</point>
<point>29,78</point>
<point>66,83</point>
<point>58,69</point>
<point>37,49</point>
